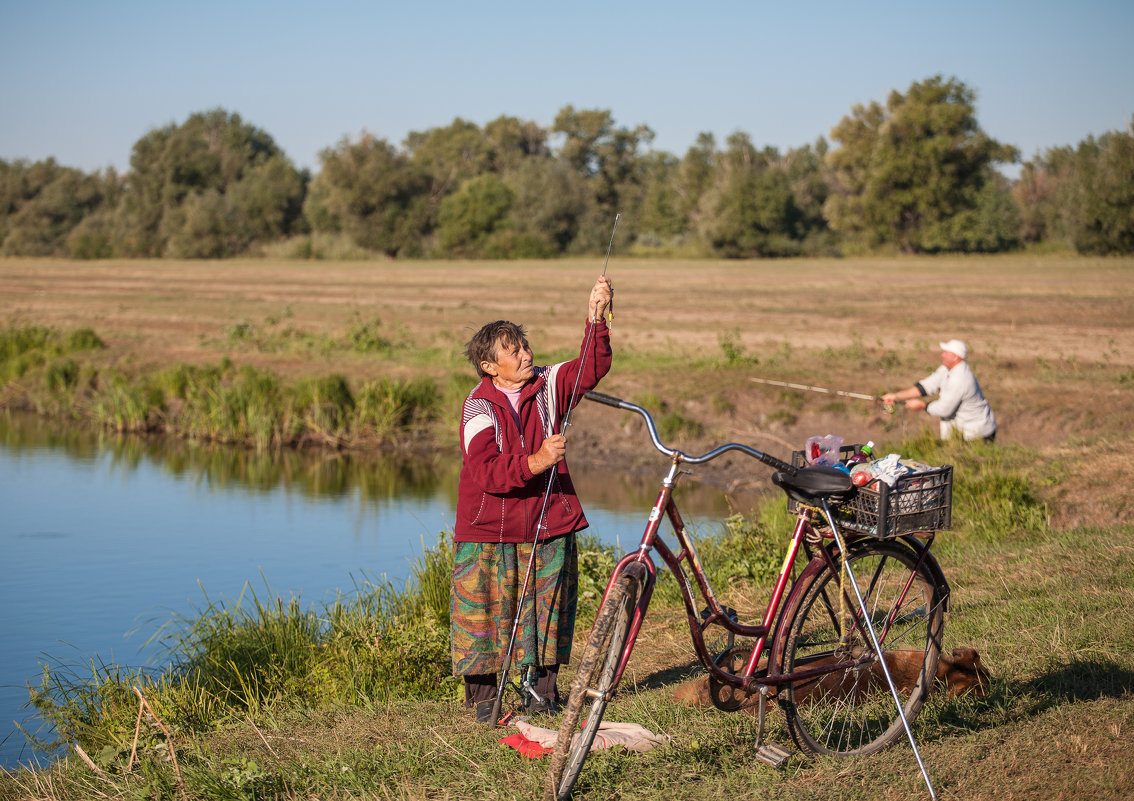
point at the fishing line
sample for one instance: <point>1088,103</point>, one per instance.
<point>553,471</point>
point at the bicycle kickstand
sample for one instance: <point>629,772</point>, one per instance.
<point>768,753</point>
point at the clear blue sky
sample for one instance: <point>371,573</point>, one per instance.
<point>82,81</point>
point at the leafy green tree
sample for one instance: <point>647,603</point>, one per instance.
<point>607,157</point>
<point>749,210</point>
<point>450,155</point>
<point>989,225</point>
<point>1082,196</point>
<point>663,215</point>
<point>693,177</point>
<point>695,174</point>
<point>13,192</point>
<point>1103,200</point>
<point>200,162</point>
<point>585,133</point>
<point>551,204</point>
<point>470,216</point>
<point>43,202</point>
<point>513,141</point>
<point>269,198</point>
<point>810,182</point>
<point>93,237</point>
<point>913,172</point>
<point>1040,192</point>
<point>206,225</point>
<point>372,193</point>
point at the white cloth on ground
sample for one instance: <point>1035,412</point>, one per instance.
<point>630,736</point>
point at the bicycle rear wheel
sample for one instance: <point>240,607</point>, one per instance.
<point>851,711</point>
<point>593,684</point>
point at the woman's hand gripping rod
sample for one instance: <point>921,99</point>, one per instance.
<point>506,664</point>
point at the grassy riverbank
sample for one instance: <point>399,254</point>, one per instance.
<point>271,700</point>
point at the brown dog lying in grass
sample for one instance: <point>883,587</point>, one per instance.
<point>959,673</point>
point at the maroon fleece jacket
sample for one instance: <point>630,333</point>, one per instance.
<point>498,498</point>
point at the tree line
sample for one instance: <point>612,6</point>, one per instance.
<point>915,174</point>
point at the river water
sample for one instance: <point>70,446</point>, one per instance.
<point>104,538</point>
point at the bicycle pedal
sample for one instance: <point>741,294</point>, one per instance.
<point>772,754</point>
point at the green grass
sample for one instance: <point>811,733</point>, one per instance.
<point>1060,695</point>
<point>25,349</point>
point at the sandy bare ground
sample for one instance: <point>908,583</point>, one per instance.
<point>1051,338</point>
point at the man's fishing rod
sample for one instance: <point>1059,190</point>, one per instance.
<point>887,408</point>
<point>817,389</point>
<point>553,471</point>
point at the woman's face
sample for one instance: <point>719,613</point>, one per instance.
<point>513,366</point>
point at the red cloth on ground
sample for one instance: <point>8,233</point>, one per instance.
<point>529,748</point>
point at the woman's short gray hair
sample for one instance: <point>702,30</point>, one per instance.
<point>482,346</point>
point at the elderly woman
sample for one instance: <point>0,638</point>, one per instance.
<point>513,455</point>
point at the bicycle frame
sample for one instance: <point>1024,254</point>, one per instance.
<point>750,677</point>
<point>780,629</point>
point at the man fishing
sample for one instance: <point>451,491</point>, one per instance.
<point>514,489</point>
<point>960,403</point>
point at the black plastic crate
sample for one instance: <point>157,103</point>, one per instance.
<point>921,501</point>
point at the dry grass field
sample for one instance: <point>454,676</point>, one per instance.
<point>1006,307</point>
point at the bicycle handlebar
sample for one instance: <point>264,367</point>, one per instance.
<point>674,453</point>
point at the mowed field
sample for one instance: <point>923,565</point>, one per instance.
<point>1014,307</point>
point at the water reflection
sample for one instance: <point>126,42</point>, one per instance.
<point>327,475</point>
<point>370,476</point>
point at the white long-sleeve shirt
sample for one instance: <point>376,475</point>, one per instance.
<point>960,404</point>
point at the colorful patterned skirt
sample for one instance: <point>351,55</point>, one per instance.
<point>487,579</point>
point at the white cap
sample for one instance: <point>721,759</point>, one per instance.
<point>955,346</point>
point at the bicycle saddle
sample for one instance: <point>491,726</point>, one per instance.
<point>812,483</point>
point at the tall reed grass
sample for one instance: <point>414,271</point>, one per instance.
<point>42,370</point>
<point>24,348</point>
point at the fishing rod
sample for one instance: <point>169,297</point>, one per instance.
<point>887,408</point>
<point>817,389</point>
<point>552,472</point>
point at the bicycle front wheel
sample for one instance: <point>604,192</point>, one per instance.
<point>593,685</point>
<point>851,711</point>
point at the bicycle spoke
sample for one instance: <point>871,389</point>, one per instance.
<point>850,710</point>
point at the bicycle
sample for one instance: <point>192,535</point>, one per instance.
<point>816,649</point>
